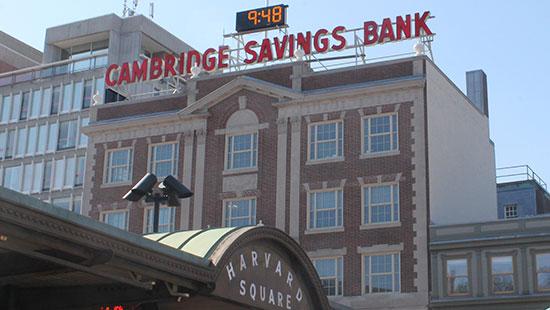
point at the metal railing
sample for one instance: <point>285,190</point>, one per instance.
<point>519,173</point>
<point>54,69</point>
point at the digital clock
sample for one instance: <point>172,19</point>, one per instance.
<point>262,18</point>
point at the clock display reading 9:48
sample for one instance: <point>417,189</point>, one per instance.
<point>268,17</point>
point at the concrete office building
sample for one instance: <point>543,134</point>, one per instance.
<point>15,54</point>
<point>45,99</point>
<point>353,163</point>
<point>491,265</point>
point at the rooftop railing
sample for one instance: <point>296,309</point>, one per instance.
<point>519,173</point>
<point>57,68</point>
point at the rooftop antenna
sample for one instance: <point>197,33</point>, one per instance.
<point>127,11</point>
<point>151,10</point>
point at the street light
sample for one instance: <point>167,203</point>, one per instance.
<point>169,190</point>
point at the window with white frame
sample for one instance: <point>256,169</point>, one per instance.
<point>543,271</point>
<point>12,178</point>
<point>67,135</point>
<point>119,166</point>
<point>72,204</point>
<point>239,212</point>
<point>242,151</point>
<point>325,140</point>
<point>458,280</point>
<point>380,133</point>
<point>325,209</point>
<point>167,218</point>
<point>382,273</point>
<point>163,159</point>
<point>118,219</point>
<point>510,211</point>
<point>502,274</point>
<point>381,204</point>
<point>331,272</point>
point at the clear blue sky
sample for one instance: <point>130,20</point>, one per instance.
<point>507,39</point>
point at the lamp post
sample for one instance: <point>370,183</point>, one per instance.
<point>169,190</point>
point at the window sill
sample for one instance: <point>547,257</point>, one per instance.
<point>109,185</point>
<point>240,170</point>
<point>381,225</point>
<point>313,231</point>
<point>325,161</point>
<point>380,154</point>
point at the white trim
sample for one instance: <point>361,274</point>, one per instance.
<point>254,140</point>
<point>171,225</point>
<point>174,160</point>
<point>339,289</point>
<point>337,227</point>
<point>252,208</point>
<point>339,153</point>
<point>130,164</point>
<point>393,271</point>
<point>368,153</point>
<point>392,222</point>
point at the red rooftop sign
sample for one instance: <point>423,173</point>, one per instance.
<point>269,49</point>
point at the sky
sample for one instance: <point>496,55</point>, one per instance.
<point>504,38</point>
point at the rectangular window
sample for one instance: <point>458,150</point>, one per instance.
<point>325,209</point>
<point>458,280</point>
<point>118,219</point>
<point>47,179</point>
<point>12,178</point>
<point>77,204</point>
<point>3,141</point>
<point>16,106</point>
<point>10,144</point>
<point>56,97</point>
<point>242,151</point>
<point>31,140</point>
<point>330,271</point>
<point>25,105</point>
<point>543,271</point>
<point>6,105</point>
<point>67,135</point>
<point>325,140</point>
<point>77,95</point>
<point>167,219</point>
<point>100,88</point>
<point>381,274</point>
<point>240,212</point>
<point>21,141</point>
<point>380,133</point>
<point>70,172</point>
<point>46,102</point>
<point>381,204</point>
<point>67,98</point>
<point>37,177</point>
<point>59,174</point>
<point>87,98</point>
<point>502,274</point>
<point>511,211</point>
<point>83,142</point>
<point>119,166</point>
<point>42,139</point>
<point>35,103</point>
<point>52,139</point>
<point>164,159</point>
<point>80,169</point>
<point>27,178</point>
<point>63,203</point>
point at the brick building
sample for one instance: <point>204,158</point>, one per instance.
<point>354,163</point>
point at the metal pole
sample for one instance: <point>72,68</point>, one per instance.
<point>156,212</point>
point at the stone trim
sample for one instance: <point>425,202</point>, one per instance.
<point>241,129</point>
<point>200,159</point>
<point>320,253</point>
<point>280,198</point>
<point>380,248</point>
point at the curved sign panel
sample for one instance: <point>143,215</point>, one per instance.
<point>263,277</point>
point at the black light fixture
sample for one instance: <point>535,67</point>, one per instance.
<point>169,190</point>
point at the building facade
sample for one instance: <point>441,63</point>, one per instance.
<point>491,265</point>
<point>521,193</point>
<point>353,163</point>
<point>44,104</point>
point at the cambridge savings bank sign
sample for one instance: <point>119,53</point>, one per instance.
<point>269,49</point>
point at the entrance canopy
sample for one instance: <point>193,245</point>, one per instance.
<point>51,258</point>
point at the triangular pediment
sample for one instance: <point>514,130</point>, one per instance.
<point>236,85</point>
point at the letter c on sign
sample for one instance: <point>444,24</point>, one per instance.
<point>108,81</point>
